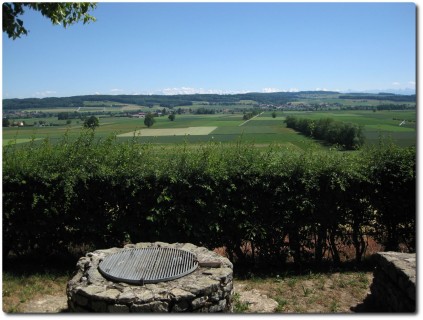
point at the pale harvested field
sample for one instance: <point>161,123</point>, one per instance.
<point>20,140</point>
<point>193,131</point>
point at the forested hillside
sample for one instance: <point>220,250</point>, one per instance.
<point>185,100</point>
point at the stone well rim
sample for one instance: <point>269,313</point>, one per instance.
<point>208,289</point>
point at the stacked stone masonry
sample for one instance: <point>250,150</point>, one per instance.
<point>207,289</point>
<point>394,283</point>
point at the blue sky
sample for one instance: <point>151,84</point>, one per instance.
<point>174,48</point>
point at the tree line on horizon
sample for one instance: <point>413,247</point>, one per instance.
<point>171,101</point>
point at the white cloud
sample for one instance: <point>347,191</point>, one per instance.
<point>413,83</point>
<point>335,90</point>
<point>181,90</point>
<point>189,90</point>
<point>116,91</point>
<point>396,83</point>
<point>43,94</point>
<point>270,90</point>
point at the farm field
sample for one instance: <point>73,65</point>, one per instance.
<point>224,127</point>
<point>375,124</point>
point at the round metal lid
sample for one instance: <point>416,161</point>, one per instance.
<point>148,265</point>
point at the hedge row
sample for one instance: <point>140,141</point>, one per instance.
<point>283,205</point>
<point>347,135</point>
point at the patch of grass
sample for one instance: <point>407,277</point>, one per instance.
<point>18,289</point>
<point>334,307</point>
<point>313,292</point>
<point>239,306</point>
<point>341,282</point>
<point>281,304</point>
<point>362,280</point>
<point>307,291</point>
<point>321,283</point>
<point>292,282</point>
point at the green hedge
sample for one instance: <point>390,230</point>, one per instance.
<point>302,205</point>
<point>347,135</point>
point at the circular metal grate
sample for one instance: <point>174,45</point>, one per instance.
<point>148,265</point>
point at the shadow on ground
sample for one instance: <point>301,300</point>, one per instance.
<point>368,305</point>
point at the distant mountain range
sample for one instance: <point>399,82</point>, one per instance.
<point>406,91</point>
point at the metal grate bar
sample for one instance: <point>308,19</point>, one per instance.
<point>150,273</point>
<point>145,264</point>
<point>148,265</point>
<point>167,268</point>
<point>129,265</point>
<point>165,259</point>
<point>150,262</point>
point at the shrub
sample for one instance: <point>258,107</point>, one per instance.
<point>347,135</point>
<point>91,122</point>
<point>306,205</point>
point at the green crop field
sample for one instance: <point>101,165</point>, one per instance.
<point>223,127</point>
<point>375,124</point>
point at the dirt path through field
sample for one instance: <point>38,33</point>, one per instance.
<point>250,119</point>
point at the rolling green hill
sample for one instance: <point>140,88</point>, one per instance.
<point>186,100</point>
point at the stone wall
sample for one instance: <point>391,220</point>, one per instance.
<point>208,289</point>
<point>394,283</point>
